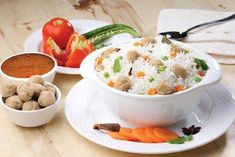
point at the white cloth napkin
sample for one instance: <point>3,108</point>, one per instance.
<point>217,40</point>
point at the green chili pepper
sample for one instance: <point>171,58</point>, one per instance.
<point>106,28</point>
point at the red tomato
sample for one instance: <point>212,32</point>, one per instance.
<point>59,29</point>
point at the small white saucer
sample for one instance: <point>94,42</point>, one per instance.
<point>215,113</point>
<point>34,41</point>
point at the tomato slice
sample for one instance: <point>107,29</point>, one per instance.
<point>52,49</point>
<point>77,49</point>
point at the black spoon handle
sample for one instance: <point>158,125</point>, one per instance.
<point>213,22</point>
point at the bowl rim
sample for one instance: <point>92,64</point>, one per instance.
<point>26,53</point>
<point>157,96</point>
<point>58,95</point>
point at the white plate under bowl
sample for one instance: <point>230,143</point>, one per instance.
<point>34,41</point>
<point>215,113</point>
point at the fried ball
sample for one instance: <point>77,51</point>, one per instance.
<point>8,89</point>
<point>166,40</point>
<point>109,51</point>
<point>164,89</point>
<point>148,40</point>
<point>30,105</point>
<point>179,71</point>
<point>122,83</point>
<point>50,88</point>
<point>25,91</point>
<point>99,67</point>
<point>46,98</point>
<point>14,102</point>
<point>177,49</point>
<point>156,63</point>
<point>37,89</point>
<point>132,55</point>
<point>36,79</point>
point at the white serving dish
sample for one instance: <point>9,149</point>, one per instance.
<point>36,117</point>
<point>154,110</point>
<point>49,76</point>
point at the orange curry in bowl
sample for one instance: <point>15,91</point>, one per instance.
<point>26,65</point>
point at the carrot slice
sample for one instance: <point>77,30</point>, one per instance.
<point>110,83</point>
<point>173,54</point>
<point>140,74</point>
<point>146,57</point>
<point>117,136</point>
<point>139,133</point>
<point>165,134</point>
<point>179,88</point>
<point>99,60</point>
<point>137,44</point>
<point>150,134</point>
<point>127,132</point>
<point>152,91</point>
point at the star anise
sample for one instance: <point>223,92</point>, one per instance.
<point>192,130</point>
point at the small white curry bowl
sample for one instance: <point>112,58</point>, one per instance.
<point>49,76</point>
<point>156,110</point>
<point>36,117</point>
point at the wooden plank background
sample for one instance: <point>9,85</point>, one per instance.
<point>19,18</point>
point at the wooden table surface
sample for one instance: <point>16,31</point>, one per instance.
<point>19,18</point>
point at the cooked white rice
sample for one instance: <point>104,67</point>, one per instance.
<point>141,85</point>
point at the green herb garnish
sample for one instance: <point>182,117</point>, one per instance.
<point>164,58</point>
<point>197,79</point>
<point>106,75</point>
<point>181,139</point>
<point>120,57</point>
<point>201,63</point>
<point>117,65</point>
<point>151,79</point>
<point>161,69</point>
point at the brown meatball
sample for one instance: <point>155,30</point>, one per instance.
<point>99,67</point>
<point>25,91</point>
<point>36,79</point>
<point>166,40</point>
<point>51,88</point>
<point>30,105</point>
<point>177,49</point>
<point>132,55</point>
<point>164,89</point>
<point>109,51</point>
<point>148,40</point>
<point>122,83</point>
<point>156,62</point>
<point>37,89</point>
<point>179,71</point>
<point>14,102</point>
<point>46,98</point>
<point>8,89</point>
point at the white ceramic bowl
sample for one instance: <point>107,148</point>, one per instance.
<point>145,110</point>
<point>49,76</point>
<point>36,117</point>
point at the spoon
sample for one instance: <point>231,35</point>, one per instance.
<point>181,35</point>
